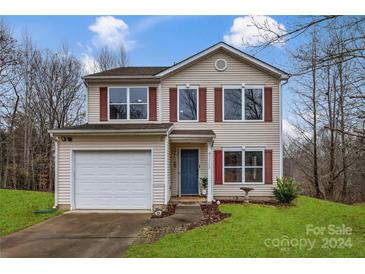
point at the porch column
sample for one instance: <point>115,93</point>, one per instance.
<point>210,167</point>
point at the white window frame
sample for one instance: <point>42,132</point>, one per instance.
<point>263,166</point>
<point>242,165</point>
<point>243,88</point>
<point>197,104</point>
<point>243,150</point>
<point>128,103</point>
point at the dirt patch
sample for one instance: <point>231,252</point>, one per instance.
<point>170,210</point>
<point>211,215</point>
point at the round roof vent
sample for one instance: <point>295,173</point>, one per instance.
<point>220,64</point>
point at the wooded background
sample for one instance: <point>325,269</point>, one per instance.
<point>324,149</point>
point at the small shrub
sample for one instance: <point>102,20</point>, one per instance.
<point>286,190</point>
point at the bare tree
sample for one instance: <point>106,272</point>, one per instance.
<point>108,58</point>
<point>327,140</point>
<point>8,53</point>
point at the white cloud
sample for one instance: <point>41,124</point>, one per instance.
<point>149,22</point>
<point>112,32</point>
<point>244,33</point>
<point>289,129</point>
<point>89,63</point>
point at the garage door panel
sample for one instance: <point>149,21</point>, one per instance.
<point>112,179</point>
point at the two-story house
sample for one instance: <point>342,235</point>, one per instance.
<point>153,132</point>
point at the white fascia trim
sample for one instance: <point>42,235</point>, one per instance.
<point>176,136</point>
<point>233,50</point>
<point>119,77</point>
<point>140,132</point>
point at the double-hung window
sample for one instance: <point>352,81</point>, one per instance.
<point>243,103</point>
<point>188,104</point>
<point>243,166</point>
<point>128,103</point>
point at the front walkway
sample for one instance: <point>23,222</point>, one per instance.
<point>75,235</point>
<point>184,214</point>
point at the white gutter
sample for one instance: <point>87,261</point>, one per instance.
<point>281,171</point>
<point>177,136</point>
<point>120,77</point>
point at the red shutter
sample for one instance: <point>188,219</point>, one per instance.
<point>268,166</point>
<point>218,104</point>
<point>202,104</point>
<point>268,104</point>
<point>152,103</point>
<point>218,167</point>
<point>103,104</point>
<point>173,105</point>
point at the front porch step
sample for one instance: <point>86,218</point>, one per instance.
<point>193,209</point>
<point>188,200</point>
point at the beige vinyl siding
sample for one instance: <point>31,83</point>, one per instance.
<point>156,143</point>
<point>203,162</point>
<point>230,134</point>
<point>93,105</point>
<point>93,110</point>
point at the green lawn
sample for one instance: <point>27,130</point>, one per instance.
<point>265,231</point>
<point>16,208</point>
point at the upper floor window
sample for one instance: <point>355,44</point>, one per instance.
<point>128,103</point>
<point>188,104</point>
<point>243,103</point>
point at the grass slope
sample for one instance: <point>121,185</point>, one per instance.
<point>245,233</point>
<point>16,208</point>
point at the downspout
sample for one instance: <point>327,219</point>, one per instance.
<point>55,139</point>
<point>281,127</point>
<point>210,168</point>
<point>87,99</point>
<point>166,179</point>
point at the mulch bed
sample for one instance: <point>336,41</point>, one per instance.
<point>170,210</point>
<point>258,202</point>
<point>211,215</point>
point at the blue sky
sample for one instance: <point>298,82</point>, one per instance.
<point>150,40</point>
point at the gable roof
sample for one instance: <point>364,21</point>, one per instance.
<point>221,45</point>
<point>158,72</point>
<point>129,71</point>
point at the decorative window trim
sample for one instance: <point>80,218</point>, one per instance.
<point>197,104</point>
<point>216,66</point>
<point>243,118</point>
<point>243,150</point>
<point>128,103</point>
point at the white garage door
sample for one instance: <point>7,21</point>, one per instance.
<point>112,179</point>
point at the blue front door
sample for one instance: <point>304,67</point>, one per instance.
<point>189,172</point>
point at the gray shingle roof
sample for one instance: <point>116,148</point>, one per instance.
<point>129,71</point>
<point>127,126</point>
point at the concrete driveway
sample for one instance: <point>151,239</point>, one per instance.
<point>75,235</point>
